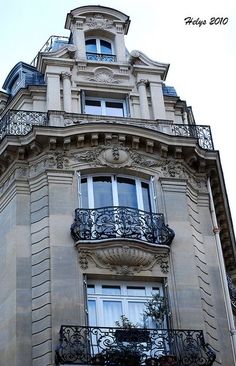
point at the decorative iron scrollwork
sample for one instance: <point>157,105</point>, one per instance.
<point>132,347</point>
<point>91,56</point>
<point>21,122</point>
<point>120,222</point>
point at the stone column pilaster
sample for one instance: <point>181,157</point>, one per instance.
<point>144,109</point>
<point>66,79</point>
<point>158,105</point>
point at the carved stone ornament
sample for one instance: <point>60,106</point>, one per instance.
<point>125,260</point>
<point>116,155</point>
<point>104,76</point>
<point>110,155</point>
<point>99,22</point>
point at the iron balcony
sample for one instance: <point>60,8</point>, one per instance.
<point>102,346</point>
<point>20,122</point>
<point>120,222</point>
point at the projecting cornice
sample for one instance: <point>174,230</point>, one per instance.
<point>142,62</point>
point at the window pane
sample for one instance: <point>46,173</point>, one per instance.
<point>84,193</point>
<point>111,290</point>
<point>146,197</point>
<point>91,45</point>
<point>105,47</point>
<point>102,190</point>
<point>91,289</point>
<point>93,107</point>
<point>136,291</point>
<point>127,192</point>
<point>92,312</point>
<point>114,109</point>
<point>112,312</point>
<point>136,312</point>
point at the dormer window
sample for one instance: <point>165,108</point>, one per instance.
<point>99,50</point>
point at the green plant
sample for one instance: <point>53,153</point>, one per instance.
<point>156,308</point>
<point>125,323</point>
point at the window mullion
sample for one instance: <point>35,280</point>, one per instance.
<point>90,192</point>
<point>115,191</point>
<point>98,45</point>
<point>139,194</point>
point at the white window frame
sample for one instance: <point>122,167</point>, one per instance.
<point>138,186</point>
<point>98,44</point>
<point>124,298</point>
<point>103,104</point>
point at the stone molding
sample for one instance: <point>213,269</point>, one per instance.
<point>127,259</point>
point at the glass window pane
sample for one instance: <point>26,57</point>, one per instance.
<point>155,290</point>
<point>102,190</point>
<point>112,311</point>
<point>114,109</point>
<point>136,291</point>
<point>105,47</point>
<point>111,290</point>
<point>93,107</point>
<point>84,193</point>
<point>91,45</point>
<point>91,289</point>
<point>127,192</point>
<point>136,310</point>
<point>146,197</point>
<point>92,312</point>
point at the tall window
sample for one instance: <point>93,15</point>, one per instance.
<point>104,190</point>
<point>107,301</point>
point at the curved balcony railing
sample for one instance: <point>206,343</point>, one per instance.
<point>92,56</point>
<point>120,222</point>
<point>232,292</point>
<point>132,347</point>
<point>21,122</point>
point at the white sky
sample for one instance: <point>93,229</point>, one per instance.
<point>202,59</point>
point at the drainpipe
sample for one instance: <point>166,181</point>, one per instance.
<point>223,277</point>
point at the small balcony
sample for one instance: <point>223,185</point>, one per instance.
<point>132,347</point>
<point>120,223</point>
<point>92,56</point>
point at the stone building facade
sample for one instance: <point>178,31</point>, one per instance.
<point>110,194</point>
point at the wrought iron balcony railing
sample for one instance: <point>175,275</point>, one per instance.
<point>16,122</point>
<point>120,222</point>
<point>201,133</point>
<point>232,292</point>
<point>92,56</point>
<point>21,122</point>
<point>132,347</point>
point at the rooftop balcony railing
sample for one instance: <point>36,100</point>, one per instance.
<point>21,122</point>
<point>132,347</point>
<point>54,43</point>
<point>91,56</point>
<point>120,222</point>
<point>16,122</point>
<point>202,133</point>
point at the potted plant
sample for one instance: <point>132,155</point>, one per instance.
<point>130,332</point>
<point>156,308</point>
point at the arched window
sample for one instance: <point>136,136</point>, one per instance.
<point>99,50</point>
